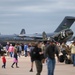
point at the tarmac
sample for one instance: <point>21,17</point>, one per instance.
<point>24,67</point>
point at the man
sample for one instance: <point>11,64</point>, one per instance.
<point>1,52</point>
<point>50,52</point>
<point>36,55</point>
<point>25,49</point>
<point>72,47</point>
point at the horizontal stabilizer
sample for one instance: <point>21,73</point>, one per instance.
<point>66,23</point>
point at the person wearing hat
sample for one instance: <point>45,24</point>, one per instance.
<point>50,52</point>
<point>72,47</point>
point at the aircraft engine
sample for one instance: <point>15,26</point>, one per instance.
<point>64,35</point>
<point>44,36</point>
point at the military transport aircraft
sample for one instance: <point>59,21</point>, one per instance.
<point>62,33</point>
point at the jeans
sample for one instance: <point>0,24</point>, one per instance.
<point>4,65</point>
<point>73,59</point>
<point>25,53</point>
<point>51,66</point>
<point>11,54</point>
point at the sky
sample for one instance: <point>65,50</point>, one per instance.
<point>35,16</point>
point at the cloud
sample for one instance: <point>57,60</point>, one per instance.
<point>36,13</point>
<point>40,6</point>
<point>45,7</point>
<point>10,15</point>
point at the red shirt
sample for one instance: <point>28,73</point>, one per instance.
<point>3,59</point>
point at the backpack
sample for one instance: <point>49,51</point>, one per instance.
<point>61,58</point>
<point>33,53</point>
<point>68,61</point>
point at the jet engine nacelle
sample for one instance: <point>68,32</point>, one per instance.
<point>63,35</point>
<point>44,36</point>
<point>66,33</point>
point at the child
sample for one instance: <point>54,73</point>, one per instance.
<point>15,59</point>
<point>4,61</point>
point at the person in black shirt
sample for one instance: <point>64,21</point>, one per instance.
<point>1,50</point>
<point>36,55</point>
<point>32,60</point>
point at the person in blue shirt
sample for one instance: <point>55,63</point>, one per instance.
<point>25,49</point>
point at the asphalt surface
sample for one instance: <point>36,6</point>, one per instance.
<point>24,67</point>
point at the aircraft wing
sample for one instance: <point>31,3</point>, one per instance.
<point>30,36</point>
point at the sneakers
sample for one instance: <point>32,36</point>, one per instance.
<point>31,70</point>
<point>3,66</point>
<point>12,66</point>
<point>17,67</point>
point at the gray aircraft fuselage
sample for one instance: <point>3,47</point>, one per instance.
<point>61,34</point>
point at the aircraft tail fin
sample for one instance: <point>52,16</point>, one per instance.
<point>66,23</point>
<point>23,31</point>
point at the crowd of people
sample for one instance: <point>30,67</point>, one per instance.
<point>40,52</point>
